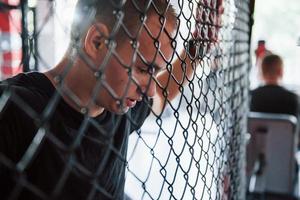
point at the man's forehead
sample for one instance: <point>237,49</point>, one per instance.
<point>157,24</point>
<point>149,44</point>
<point>155,51</point>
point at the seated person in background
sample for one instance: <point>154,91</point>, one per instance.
<point>273,98</point>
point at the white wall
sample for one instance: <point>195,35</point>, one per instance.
<point>278,22</point>
<point>54,35</point>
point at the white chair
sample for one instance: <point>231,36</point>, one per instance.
<point>271,153</point>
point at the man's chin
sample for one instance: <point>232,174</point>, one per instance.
<point>120,110</point>
<point>117,109</point>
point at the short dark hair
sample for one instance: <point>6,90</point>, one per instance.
<point>110,12</point>
<point>271,64</point>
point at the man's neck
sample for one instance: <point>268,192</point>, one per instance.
<point>271,80</point>
<point>72,85</point>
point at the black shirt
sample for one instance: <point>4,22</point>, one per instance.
<point>274,99</point>
<point>47,149</point>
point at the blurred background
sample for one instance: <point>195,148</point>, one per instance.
<point>277,22</point>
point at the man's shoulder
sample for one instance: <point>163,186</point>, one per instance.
<point>139,113</point>
<point>22,91</point>
<point>142,108</point>
<point>273,89</point>
<point>288,93</point>
<point>258,90</point>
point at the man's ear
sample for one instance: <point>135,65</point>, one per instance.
<point>95,38</point>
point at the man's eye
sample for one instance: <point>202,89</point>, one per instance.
<point>143,70</point>
<point>146,70</point>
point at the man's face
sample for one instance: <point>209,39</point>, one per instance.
<point>131,72</point>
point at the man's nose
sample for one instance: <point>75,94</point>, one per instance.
<point>148,87</point>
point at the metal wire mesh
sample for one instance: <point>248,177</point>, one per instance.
<point>57,141</point>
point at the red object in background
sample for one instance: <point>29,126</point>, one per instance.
<point>261,51</point>
<point>10,41</point>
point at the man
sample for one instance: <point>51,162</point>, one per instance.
<point>64,133</point>
<point>273,98</point>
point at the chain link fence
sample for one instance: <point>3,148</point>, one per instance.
<point>52,146</point>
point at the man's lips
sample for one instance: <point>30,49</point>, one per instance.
<point>130,102</point>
